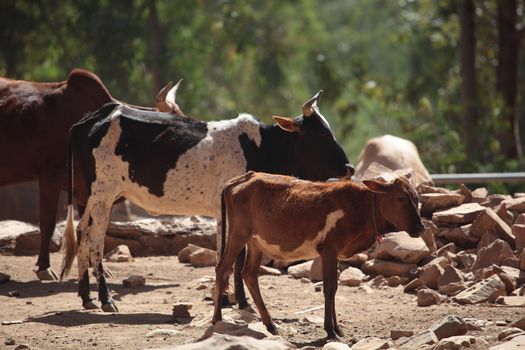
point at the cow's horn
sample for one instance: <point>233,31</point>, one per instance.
<point>308,106</point>
<point>160,100</point>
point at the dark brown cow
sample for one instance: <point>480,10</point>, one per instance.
<point>290,219</point>
<point>34,123</point>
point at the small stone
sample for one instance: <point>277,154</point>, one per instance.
<point>266,270</point>
<point>184,253</point>
<point>336,346</point>
<point>203,257</point>
<point>427,297</point>
<point>351,277</point>
<point>4,278</point>
<point>164,333</point>
<point>9,341</point>
<point>456,342</point>
<point>13,293</point>
<point>134,281</point>
<point>396,334</point>
<point>371,343</point>
<point>450,326</point>
<point>120,253</point>
<point>509,332</point>
<point>181,310</point>
<point>22,347</point>
<point>426,337</point>
<point>301,270</point>
<point>316,270</point>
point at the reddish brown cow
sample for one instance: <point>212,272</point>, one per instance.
<point>290,219</point>
<point>34,123</point>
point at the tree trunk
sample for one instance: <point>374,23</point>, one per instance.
<point>507,78</point>
<point>467,41</point>
<point>155,46</point>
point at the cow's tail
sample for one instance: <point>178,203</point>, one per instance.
<point>223,221</point>
<point>69,243</point>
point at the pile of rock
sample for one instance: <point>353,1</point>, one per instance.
<point>472,251</point>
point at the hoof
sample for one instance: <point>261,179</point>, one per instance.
<point>109,307</point>
<point>107,272</point>
<point>272,329</point>
<point>339,332</point>
<point>332,336</point>
<point>47,275</point>
<point>91,305</point>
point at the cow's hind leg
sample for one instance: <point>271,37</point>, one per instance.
<point>49,191</point>
<point>223,270</point>
<point>83,264</point>
<point>329,262</point>
<point>250,275</point>
<point>240,295</point>
<point>100,214</point>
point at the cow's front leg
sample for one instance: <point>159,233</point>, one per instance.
<point>100,222</point>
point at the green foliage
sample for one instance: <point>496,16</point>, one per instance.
<point>386,66</point>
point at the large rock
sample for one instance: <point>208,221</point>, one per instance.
<point>401,247</point>
<point>489,221</point>
<point>430,273</point>
<point>459,235</point>
<point>229,342</point>
<point>431,202</point>
<point>429,235</point>
<point>450,275</point>
<point>487,290</point>
<point>20,238</point>
<point>494,254</point>
<point>154,236</point>
<point>518,230</point>
<point>515,204</point>
<point>463,214</point>
<point>351,276</point>
<point>387,268</point>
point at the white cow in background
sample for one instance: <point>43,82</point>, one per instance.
<point>394,153</point>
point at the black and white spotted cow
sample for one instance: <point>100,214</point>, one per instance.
<point>177,165</point>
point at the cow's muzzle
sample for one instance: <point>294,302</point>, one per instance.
<point>417,230</point>
<point>350,170</point>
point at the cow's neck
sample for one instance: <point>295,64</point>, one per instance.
<point>381,226</point>
<point>273,154</point>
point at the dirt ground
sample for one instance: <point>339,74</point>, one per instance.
<point>54,318</point>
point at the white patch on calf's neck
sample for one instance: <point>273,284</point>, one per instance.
<point>308,249</point>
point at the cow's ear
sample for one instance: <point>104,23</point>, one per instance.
<point>376,186</point>
<point>288,124</point>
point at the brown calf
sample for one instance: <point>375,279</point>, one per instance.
<point>290,219</point>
